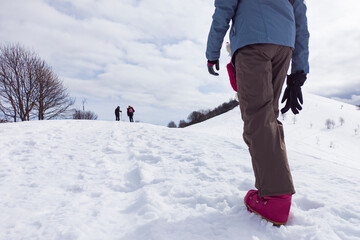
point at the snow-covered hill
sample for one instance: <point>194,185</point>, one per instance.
<point>116,180</point>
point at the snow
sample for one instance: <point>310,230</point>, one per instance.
<point>77,180</point>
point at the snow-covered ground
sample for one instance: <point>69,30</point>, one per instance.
<point>117,180</point>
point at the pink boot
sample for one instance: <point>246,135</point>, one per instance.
<point>274,209</point>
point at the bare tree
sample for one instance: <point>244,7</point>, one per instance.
<point>182,124</point>
<point>53,98</point>
<point>17,82</point>
<point>28,86</point>
<point>342,121</point>
<point>329,123</point>
<point>2,119</point>
<point>84,115</point>
<point>171,124</point>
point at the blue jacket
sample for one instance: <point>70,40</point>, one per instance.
<point>261,21</point>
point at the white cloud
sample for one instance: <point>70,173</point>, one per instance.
<point>354,100</point>
<point>334,48</point>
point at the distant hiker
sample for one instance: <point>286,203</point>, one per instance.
<point>130,113</point>
<point>264,37</point>
<point>117,113</point>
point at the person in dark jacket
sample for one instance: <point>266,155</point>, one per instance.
<point>130,113</point>
<point>264,36</point>
<point>117,113</point>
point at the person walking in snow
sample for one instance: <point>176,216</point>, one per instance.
<point>130,113</point>
<point>264,36</point>
<point>117,113</point>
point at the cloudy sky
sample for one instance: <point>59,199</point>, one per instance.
<point>151,53</point>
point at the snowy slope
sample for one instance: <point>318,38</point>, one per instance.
<point>117,180</point>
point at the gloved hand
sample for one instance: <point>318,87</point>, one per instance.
<point>292,93</point>
<point>210,65</point>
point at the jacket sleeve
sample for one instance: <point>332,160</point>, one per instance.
<point>224,12</point>
<point>300,59</point>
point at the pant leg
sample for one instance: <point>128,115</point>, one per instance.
<point>260,72</point>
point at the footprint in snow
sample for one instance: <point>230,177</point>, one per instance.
<point>75,189</point>
<point>133,180</point>
<point>149,159</point>
<point>306,204</point>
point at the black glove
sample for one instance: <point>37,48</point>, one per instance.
<point>293,92</point>
<point>210,65</point>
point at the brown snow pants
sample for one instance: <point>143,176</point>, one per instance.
<point>260,73</point>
